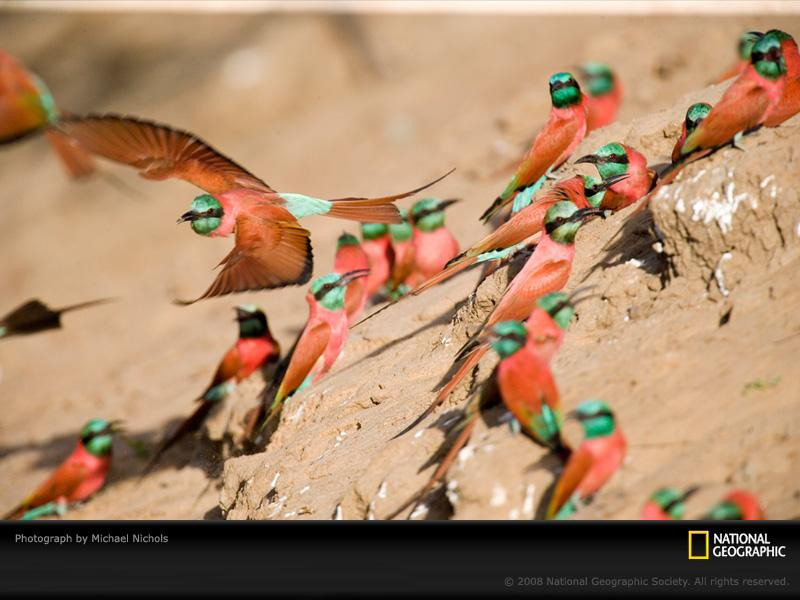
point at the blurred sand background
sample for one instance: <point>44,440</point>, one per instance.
<point>327,105</point>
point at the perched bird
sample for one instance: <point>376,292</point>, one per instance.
<point>524,226</point>
<point>745,105</point>
<point>614,160</point>
<point>592,464</point>
<point>27,107</point>
<point>35,316</point>
<point>604,94</point>
<point>746,42</point>
<point>271,249</point>
<point>738,505</point>
<point>377,244</point>
<point>543,333</point>
<point>254,349</point>
<point>694,116</point>
<point>403,257</point>
<point>350,256</point>
<point>547,270</point>
<point>789,104</point>
<point>434,245</point>
<point>553,145</point>
<point>322,339</point>
<point>78,477</point>
<point>667,504</point>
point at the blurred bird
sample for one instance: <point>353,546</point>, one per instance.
<point>746,42</point>
<point>604,94</point>
<point>27,107</point>
<point>350,256</point>
<point>546,271</point>
<point>77,478</point>
<point>524,226</point>
<point>254,349</point>
<point>377,244</point>
<point>553,145</point>
<point>434,245</point>
<point>322,339</point>
<point>738,505</point>
<point>789,104</point>
<point>745,105</point>
<point>694,116</point>
<point>403,257</point>
<point>592,464</point>
<point>271,249</point>
<point>667,504</point>
<point>615,160</point>
<point>35,316</point>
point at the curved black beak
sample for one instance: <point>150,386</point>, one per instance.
<point>187,216</point>
<point>589,158</point>
<point>445,203</point>
<point>584,214</point>
<point>352,275</point>
<point>609,181</point>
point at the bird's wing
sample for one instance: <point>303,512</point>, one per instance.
<point>63,482</point>
<point>159,152</point>
<point>272,250</point>
<point>228,368</point>
<point>310,348</point>
<point>547,148</point>
<point>741,108</point>
<point>577,467</point>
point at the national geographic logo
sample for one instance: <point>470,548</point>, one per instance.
<point>702,545</point>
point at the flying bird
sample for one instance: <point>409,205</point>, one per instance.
<point>271,248</point>
<point>35,316</point>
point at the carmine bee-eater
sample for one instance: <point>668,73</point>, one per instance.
<point>35,316</point>
<point>603,94</point>
<point>531,397</point>
<point>594,462</point>
<point>434,245</point>
<point>745,105</point>
<point>553,145</point>
<point>738,505</point>
<point>350,256</point>
<point>78,477</point>
<point>667,504</point>
<point>271,249</point>
<point>694,116</point>
<point>789,104</point>
<point>614,160</point>
<point>546,271</point>
<point>524,226</point>
<point>322,339</point>
<point>403,257</point>
<point>377,243</point>
<point>254,349</point>
<point>746,42</point>
<point>27,107</point>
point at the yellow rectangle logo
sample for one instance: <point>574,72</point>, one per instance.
<point>697,534</point>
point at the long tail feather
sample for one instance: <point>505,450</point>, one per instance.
<point>190,424</point>
<point>469,363</point>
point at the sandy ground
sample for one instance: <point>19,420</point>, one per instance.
<point>334,106</point>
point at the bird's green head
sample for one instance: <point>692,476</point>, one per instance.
<point>695,115</point>
<point>672,501</point>
<point>599,78</point>
<point>564,90</point>
<point>767,56</point>
<point>373,231</point>
<point>563,219</point>
<point>596,418</point>
<point>428,213</point>
<point>252,321</point>
<point>727,510</point>
<point>508,337</point>
<point>401,232</point>
<point>594,189</point>
<point>346,239</point>
<point>97,436</point>
<point>205,214</point>
<point>329,290</point>
<point>781,35</point>
<point>557,305</point>
<point>747,40</point>
<point>610,160</point>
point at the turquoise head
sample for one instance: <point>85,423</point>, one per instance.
<point>508,337</point>
<point>564,90</point>
<point>205,214</point>
<point>97,437</point>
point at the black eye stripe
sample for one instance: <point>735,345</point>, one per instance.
<point>324,290</point>
<point>558,85</point>
<point>612,158</point>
